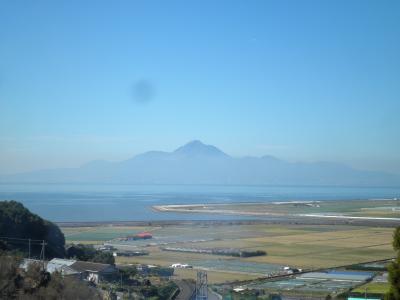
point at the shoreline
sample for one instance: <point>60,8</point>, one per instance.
<point>274,212</point>
<point>180,209</point>
<point>233,209</point>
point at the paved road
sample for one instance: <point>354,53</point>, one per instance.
<point>186,289</point>
<point>213,296</point>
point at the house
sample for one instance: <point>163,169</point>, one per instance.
<point>55,265</point>
<point>90,271</point>
<point>94,272</point>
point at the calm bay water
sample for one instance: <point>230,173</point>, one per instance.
<point>68,203</point>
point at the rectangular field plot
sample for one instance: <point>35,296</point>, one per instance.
<point>239,266</point>
<point>100,233</point>
<point>310,283</point>
<point>373,287</point>
<point>185,235</point>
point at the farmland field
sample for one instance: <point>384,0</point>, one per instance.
<point>373,287</point>
<point>99,233</point>
<point>302,246</point>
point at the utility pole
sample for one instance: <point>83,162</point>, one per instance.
<point>42,254</point>
<point>29,241</point>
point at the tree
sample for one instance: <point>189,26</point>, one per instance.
<point>396,239</point>
<point>103,257</point>
<point>394,269</point>
<point>81,252</point>
<point>89,253</point>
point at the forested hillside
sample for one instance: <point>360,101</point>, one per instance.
<point>16,221</point>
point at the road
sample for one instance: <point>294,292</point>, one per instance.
<point>213,296</point>
<point>186,289</point>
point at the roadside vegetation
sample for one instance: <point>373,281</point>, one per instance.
<point>394,269</point>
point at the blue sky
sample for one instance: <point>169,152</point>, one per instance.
<point>300,80</point>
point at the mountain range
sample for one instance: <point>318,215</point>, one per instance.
<point>197,163</point>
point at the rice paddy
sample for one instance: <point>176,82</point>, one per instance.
<point>301,246</point>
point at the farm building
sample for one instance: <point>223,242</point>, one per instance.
<point>62,266</point>
<point>130,253</point>
<point>181,266</point>
<point>139,236</point>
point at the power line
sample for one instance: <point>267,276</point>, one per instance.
<point>20,239</point>
<point>30,242</point>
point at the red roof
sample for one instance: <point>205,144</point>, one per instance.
<point>144,234</point>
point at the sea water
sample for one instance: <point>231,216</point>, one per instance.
<point>76,203</point>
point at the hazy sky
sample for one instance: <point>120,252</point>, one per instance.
<point>301,80</point>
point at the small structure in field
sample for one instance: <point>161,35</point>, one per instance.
<point>130,253</point>
<point>181,266</point>
<point>160,271</point>
<point>107,248</point>
<point>139,236</point>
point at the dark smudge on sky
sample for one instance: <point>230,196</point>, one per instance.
<point>143,91</point>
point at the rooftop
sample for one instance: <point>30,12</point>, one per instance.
<point>82,266</point>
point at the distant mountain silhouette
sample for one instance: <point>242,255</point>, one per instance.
<point>197,148</point>
<point>197,163</point>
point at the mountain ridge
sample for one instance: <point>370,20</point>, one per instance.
<point>198,163</point>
